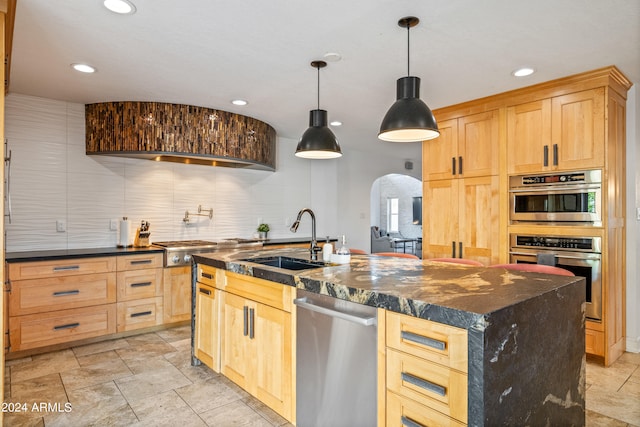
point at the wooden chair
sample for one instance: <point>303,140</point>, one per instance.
<point>459,261</point>
<point>396,254</point>
<point>536,268</point>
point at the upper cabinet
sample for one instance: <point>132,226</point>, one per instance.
<point>467,147</point>
<point>560,133</point>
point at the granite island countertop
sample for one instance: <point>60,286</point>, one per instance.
<point>525,331</point>
<point>457,295</point>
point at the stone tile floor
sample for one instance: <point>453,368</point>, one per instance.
<point>148,380</point>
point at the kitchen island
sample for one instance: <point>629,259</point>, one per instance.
<point>525,331</point>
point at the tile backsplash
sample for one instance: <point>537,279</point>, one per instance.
<point>52,179</point>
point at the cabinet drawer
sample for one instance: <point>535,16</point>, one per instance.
<point>39,330</point>
<point>139,261</point>
<point>207,275</point>
<point>58,293</point>
<point>443,344</point>
<point>63,267</point>
<point>273,294</point>
<point>403,412</point>
<point>433,385</point>
<point>141,313</point>
<point>136,284</point>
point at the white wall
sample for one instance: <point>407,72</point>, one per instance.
<point>633,228</point>
<point>52,179</point>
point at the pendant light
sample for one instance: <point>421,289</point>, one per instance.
<point>318,142</point>
<point>409,119</point>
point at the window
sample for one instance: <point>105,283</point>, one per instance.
<point>392,215</point>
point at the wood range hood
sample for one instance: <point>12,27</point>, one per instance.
<point>179,133</point>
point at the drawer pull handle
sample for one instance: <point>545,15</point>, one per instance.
<point>204,291</point>
<point>65,293</point>
<point>427,385</point>
<point>245,323</point>
<point>429,342</point>
<point>140,284</point>
<point>251,316</point>
<point>207,275</point>
<point>141,261</point>
<point>67,268</point>
<point>67,326</point>
<point>408,422</point>
<point>142,313</point>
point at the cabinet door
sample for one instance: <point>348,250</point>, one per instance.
<point>438,154</point>
<point>478,144</point>
<point>235,352</point>
<point>578,129</point>
<point>440,218</point>
<point>206,326</point>
<point>272,344</point>
<point>177,294</point>
<point>479,219</point>
<point>528,133</point>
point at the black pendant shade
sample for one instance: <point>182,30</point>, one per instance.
<point>318,142</point>
<point>409,119</point>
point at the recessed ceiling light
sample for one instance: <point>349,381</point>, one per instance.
<point>336,123</point>
<point>523,72</point>
<point>239,102</point>
<point>123,7</point>
<point>84,68</point>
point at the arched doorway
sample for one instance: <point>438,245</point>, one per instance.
<point>396,213</point>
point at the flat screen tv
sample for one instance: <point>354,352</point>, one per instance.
<point>417,210</point>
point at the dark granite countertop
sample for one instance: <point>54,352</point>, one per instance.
<point>75,253</point>
<point>453,294</point>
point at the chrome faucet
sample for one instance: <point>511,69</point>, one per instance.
<point>314,248</point>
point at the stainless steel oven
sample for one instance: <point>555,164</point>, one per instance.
<point>569,198</point>
<point>580,255</point>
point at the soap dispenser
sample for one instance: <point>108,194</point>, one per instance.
<point>327,251</point>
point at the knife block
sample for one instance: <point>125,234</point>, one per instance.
<point>142,239</point>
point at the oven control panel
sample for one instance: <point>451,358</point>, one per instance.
<point>586,244</point>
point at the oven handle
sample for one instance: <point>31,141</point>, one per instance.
<point>554,189</point>
<point>588,256</point>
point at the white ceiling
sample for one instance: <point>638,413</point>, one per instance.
<point>208,52</point>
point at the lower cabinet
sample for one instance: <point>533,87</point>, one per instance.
<point>426,372</point>
<point>255,328</point>
<point>177,294</point>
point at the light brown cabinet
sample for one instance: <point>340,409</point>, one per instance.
<point>426,372</point>
<point>206,332</point>
<point>177,294</point>
<point>560,133</point>
<point>54,302</point>
<point>140,288</point>
<point>461,218</point>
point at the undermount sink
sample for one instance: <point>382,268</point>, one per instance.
<point>287,263</point>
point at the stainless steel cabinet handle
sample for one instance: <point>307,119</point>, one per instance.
<point>245,323</point>
<point>546,156</point>
<point>141,261</point>
<point>7,196</point>
<point>140,284</point>
<point>555,154</point>
<point>204,291</point>
<point>365,321</point>
<point>251,316</point>
<point>142,313</point>
<point>67,326</point>
<point>408,422</point>
<point>460,165</point>
<point>453,166</point>
<point>453,249</point>
<point>421,339</point>
<point>67,268</point>
<point>424,384</point>
<point>65,293</point>
<point>207,275</point>
<point>460,249</point>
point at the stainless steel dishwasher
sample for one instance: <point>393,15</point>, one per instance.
<point>336,362</point>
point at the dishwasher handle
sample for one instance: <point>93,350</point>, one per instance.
<point>364,321</point>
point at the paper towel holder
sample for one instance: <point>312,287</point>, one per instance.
<point>187,219</point>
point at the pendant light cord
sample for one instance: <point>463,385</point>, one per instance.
<point>408,51</point>
<point>318,88</point>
